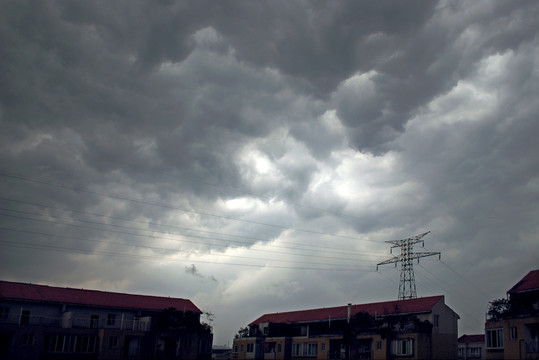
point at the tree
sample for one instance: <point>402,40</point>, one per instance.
<point>242,332</point>
<point>498,308</point>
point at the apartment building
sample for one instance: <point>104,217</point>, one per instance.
<point>46,322</point>
<point>421,328</point>
<point>471,347</point>
<point>514,332</point>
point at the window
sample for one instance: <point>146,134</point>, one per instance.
<point>28,339</point>
<point>4,313</point>
<point>436,320</point>
<point>279,348</point>
<point>495,338</point>
<point>305,349</point>
<point>461,353</point>
<point>250,348</point>
<point>513,333</point>
<point>113,341</point>
<point>475,352</point>
<point>25,317</point>
<point>403,347</point>
<point>378,345</point>
<point>241,347</point>
<point>311,349</point>
<point>323,347</point>
<point>269,347</point>
<point>94,321</point>
<point>111,319</point>
<point>297,349</point>
<point>70,344</point>
<point>86,344</point>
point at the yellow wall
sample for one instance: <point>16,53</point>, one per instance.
<point>285,348</point>
<point>512,348</point>
<point>242,347</point>
<point>320,354</point>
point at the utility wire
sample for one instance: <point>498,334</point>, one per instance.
<point>237,190</point>
<point>165,206</point>
<point>447,287</point>
<point>473,286</point>
<point>172,239</point>
<point>95,252</point>
<point>188,252</point>
<point>462,309</point>
<point>317,248</point>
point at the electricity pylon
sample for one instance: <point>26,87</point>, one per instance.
<point>407,288</point>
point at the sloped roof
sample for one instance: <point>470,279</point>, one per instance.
<point>410,306</point>
<point>43,293</point>
<point>528,283</point>
<point>476,338</point>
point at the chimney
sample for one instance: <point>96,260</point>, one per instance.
<point>349,312</point>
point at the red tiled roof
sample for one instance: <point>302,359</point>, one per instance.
<point>528,282</point>
<point>410,306</point>
<point>32,292</point>
<point>477,338</point>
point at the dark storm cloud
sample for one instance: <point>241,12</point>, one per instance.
<point>142,133</point>
<point>422,65</point>
<point>320,42</point>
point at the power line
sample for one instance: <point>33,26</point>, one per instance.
<point>160,248</point>
<point>199,181</point>
<point>473,286</point>
<point>138,256</point>
<point>165,206</point>
<point>445,286</point>
<point>169,238</point>
<point>317,248</point>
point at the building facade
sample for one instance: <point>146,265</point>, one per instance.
<point>422,328</point>
<point>513,331</point>
<point>471,347</point>
<point>45,322</point>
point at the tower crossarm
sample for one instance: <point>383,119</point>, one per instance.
<point>394,259</point>
<point>413,240</point>
<point>419,255</point>
<point>407,289</point>
<point>408,241</point>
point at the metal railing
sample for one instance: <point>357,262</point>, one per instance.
<point>532,347</point>
<point>141,324</point>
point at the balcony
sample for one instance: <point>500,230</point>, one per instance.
<point>24,319</point>
<point>69,321</point>
<point>140,324</point>
<point>532,347</point>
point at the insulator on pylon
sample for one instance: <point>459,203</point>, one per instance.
<point>407,288</point>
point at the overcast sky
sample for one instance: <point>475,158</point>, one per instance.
<point>254,156</point>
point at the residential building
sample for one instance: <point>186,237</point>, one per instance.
<point>471,347</point>
<point>221,353</point>
<point>421,328</point>
<point>46,322</point>
<point>512,331</point>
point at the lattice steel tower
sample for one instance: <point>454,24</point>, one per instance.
<point>407,288</point>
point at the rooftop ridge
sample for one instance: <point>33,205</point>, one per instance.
<point>90,290</point>
<point>391,307</point>
<point>529,282</point>
<point>91,297</point>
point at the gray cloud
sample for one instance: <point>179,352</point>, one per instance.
<point>192,270</point>
<point>143,147</point>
